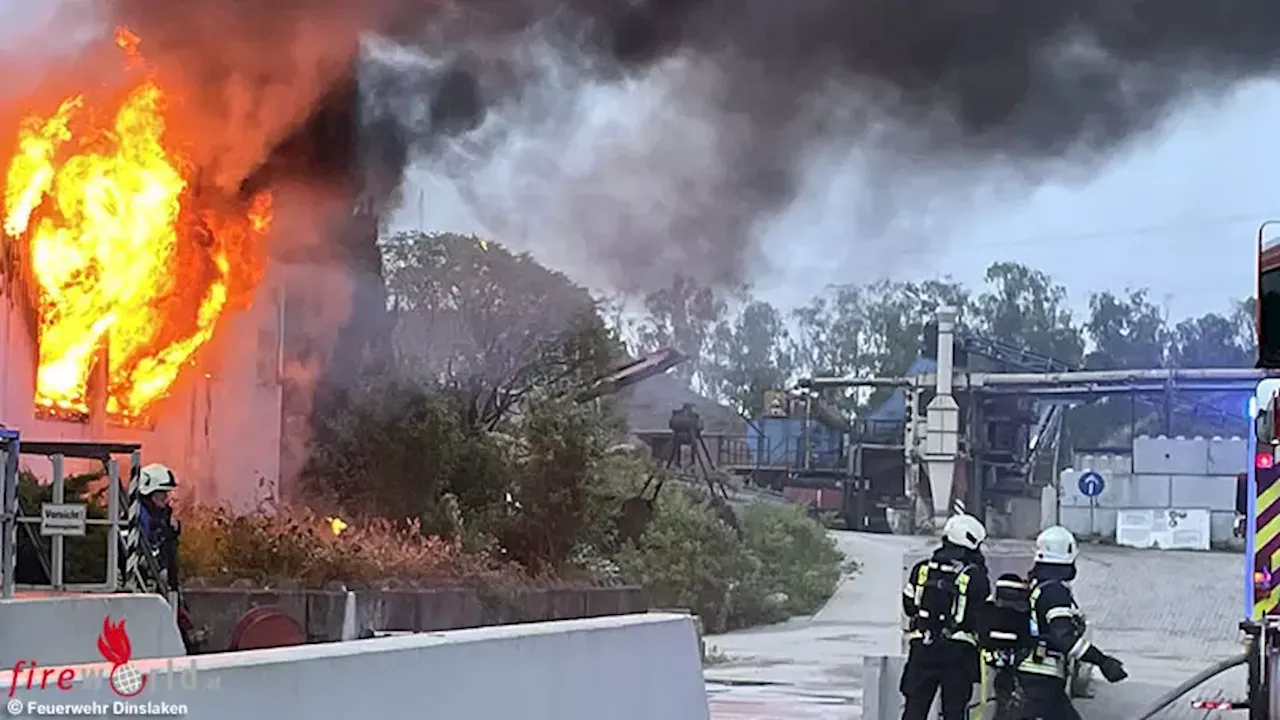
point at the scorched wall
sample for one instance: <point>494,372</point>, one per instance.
<point>220,427</point>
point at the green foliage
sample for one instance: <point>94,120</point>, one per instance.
<point>878,330</point>
<point>784,563</point>
<point>474,432</point>
<point>796,555</point>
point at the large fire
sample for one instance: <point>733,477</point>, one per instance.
<point>126,253</point>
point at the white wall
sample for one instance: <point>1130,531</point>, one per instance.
<point>1162,472</point>
<point>629,667</point>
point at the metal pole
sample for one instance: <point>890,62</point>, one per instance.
<point>113,530</point>
<point>9,512</point>
<point>132,542</point>
<point>58,557</point>
<point>807,436</point>
<point>976,379</point>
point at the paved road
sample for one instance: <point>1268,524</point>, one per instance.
<point>1167,614</point>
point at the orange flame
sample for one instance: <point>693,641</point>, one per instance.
<point>123,250</point>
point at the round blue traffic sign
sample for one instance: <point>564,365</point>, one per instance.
<point>1091,484</point>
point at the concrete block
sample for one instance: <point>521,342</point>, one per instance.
<point>1216,492</point>
<point>1024,517</point>
<point>1090,521</point>
<point>64,629</point>
<point>324,615</point>
<point>1228,456</point>
<point>1162,455</point>
<point>447,609</point>
<point>218,609</point>
<point>1222,526</point>
<point>1048,506</point>
<point>881,699</point>
<point>1070,496</point>
<point>630,667</point>
<point>1148,491</point>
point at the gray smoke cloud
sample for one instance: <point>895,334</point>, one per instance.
<point>724,113</point>
<point>730,108</point>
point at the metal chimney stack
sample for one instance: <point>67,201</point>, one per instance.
<point>942,441</point>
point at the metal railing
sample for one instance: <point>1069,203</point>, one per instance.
<point>759,452</point>
<point>122,530</point>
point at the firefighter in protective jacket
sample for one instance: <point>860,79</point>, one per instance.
<point>1058,632</point>
<point>943,599</point>
<point>155,517</point>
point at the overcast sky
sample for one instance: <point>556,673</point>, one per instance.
<point>1177,214</point>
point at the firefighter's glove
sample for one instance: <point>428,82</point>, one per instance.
<point>1112,669</point>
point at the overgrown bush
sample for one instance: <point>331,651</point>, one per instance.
<point>302,548</point>
<point>796,556</point>
<point>783,564</point>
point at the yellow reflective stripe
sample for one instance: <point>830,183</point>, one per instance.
<point>922,576</point>
<point>1052,667</point>
<point>962,602</point>
<point>1058,613</point>
<point>1080,647</point>
<point>1263,536</point>
<point>1042,670</point>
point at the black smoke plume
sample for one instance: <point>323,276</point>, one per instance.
<point>939,85</point>
<point>936,85</point>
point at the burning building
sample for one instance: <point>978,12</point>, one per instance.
<point>145,302</point>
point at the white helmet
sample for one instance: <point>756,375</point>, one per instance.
<point>1056,546</point>
<point>964,530</point>
<point>156,478</point>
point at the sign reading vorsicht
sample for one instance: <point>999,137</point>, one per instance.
<point>66,519</point>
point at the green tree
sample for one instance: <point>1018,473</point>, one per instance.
<point>829,332</point>
<point>1126,331</point>
<point>479,333</point>
<point>492,324</point>
<point>1027,307</point>
<point>1211,340</point>
<point>685,316</point>
<point>752,353</point>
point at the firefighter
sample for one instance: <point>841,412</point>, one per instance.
<point>943,599</point>
<point>1005,641</point>
<point>1058,631</point>
<point>155,518</point>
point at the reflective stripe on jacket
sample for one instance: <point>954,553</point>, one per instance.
<point>914,592</point>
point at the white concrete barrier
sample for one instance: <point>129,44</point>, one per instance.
<point>63,629</point>
<point>629,667</point>
<point>881,698</point>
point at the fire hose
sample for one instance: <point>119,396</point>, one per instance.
<point>1203,676</point>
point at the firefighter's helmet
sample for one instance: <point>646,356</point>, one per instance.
<point>964,530</point>
<point>156,478</point>
<point>1056,546</point>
